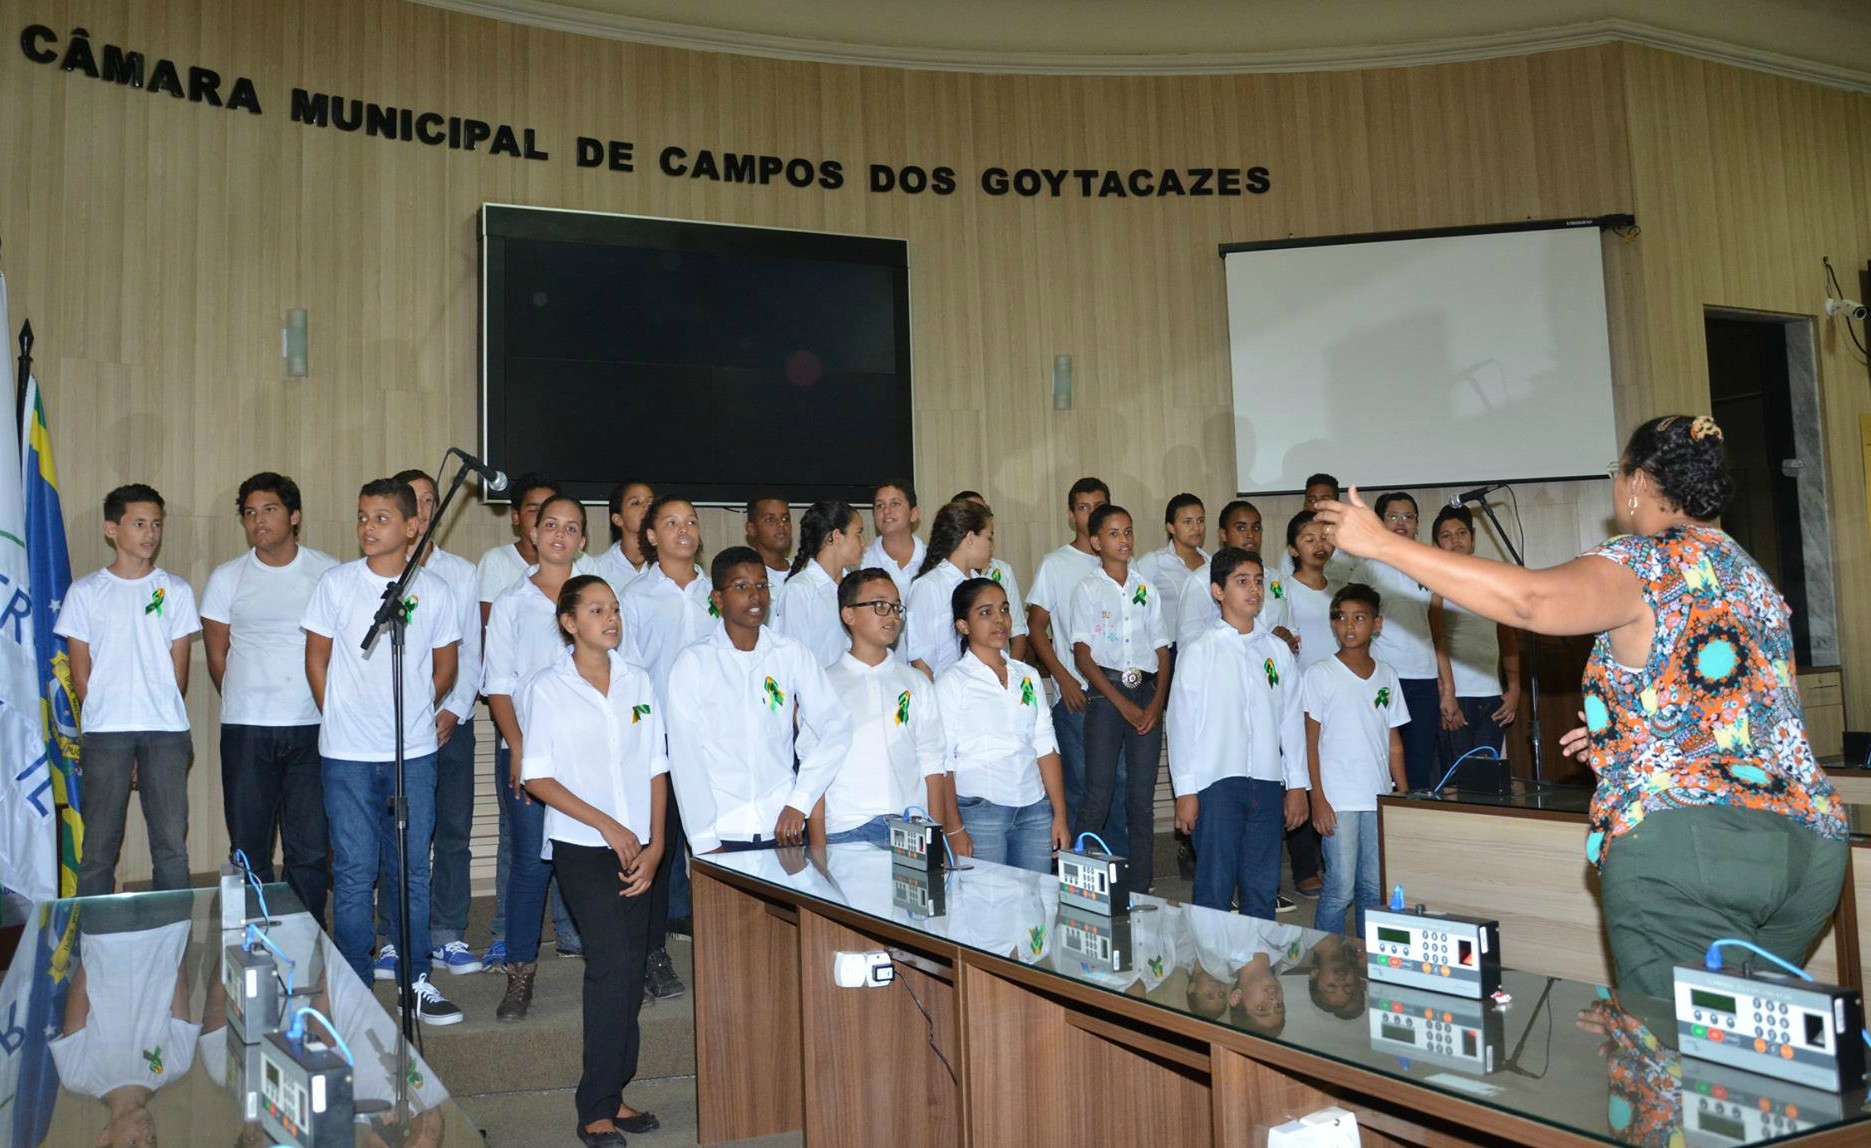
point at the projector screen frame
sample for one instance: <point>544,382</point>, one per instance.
<point>1615,222</point>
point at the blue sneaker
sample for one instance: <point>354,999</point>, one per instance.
<point>456,957</point>
<point>495,958</point>
<point>385,967</point>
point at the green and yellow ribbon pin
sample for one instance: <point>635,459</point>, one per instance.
<point>409,608</point>
<point>1279,591</point>
<point>1383,697</point>
<point>714,611</point>
<point>1142,596</point>
<point>153,1056</point>
<point>993,572</point>
<point>903,707</point>
<point>1026,691</point>
<point>1273,672</point>
<point>638,713</point>
<point>155,605</point>
<point>776,697</point>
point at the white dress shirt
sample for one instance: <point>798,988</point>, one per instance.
<point>1122,624</point>
<point>1235,711</point>
<point>896,741</point>
<point>730,719</point>
<point>994,735</point>
<point>463,583</point>
<point>1003,576</point>
<point>1404,641</point>
<point>522,638</point>
<point>615,567</point>
<point>806,610</point>
<point>1059,574</point>
<point>1164,569</point>
<point>604,747</point>
<point>929,634</point>
<point>502,566</point>
<point>902,575</point>
<point>660,618</point>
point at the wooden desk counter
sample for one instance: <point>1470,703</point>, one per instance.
<point>1001,1034</point>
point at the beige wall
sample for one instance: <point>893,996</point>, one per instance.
<point>156,244</point>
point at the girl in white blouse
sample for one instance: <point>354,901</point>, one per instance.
<point>997,738</point>
<point>805,606</point>
<point>595,756</point>
<point>961,544</point>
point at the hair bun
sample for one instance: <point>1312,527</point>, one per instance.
<point>1687,458</point>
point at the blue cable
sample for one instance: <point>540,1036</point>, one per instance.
<point>946,848</point>
<point>1713,959</point>
<point>1079,845</point>
<point>247,868</point>
<point>1437,788</point>
<point>331,1030</point>
<point>253,935</point>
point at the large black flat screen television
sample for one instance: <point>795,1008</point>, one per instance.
<point>708,360</point>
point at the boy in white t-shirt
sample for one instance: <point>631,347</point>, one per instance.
<point>357,740</point>
<point>250,612</point>
<point>770,532</point>
<point>1353,751</point>
<point>896,550</point>
<point>128,626</point>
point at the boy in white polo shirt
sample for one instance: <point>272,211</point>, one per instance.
<point>1120,648</point>
<point>128,626</point>
<point>1237,744</point>
<point>734,701</point>
<point>357,740</point>
<point>1353,753</point>
<point>895,757</point>
<point>250,612</point>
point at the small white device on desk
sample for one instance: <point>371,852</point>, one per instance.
<point>1440,952</point>
<point>1793,1029</point>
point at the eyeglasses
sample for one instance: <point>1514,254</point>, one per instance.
<point>880,607</point>
<point>1400,518</point>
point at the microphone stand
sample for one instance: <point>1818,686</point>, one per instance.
<point>1531,645</point>
<point>391,616</point>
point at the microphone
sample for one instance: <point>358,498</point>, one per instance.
<point>492,481</point>
<point>1479,494</point>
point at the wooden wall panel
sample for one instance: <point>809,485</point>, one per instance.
<point>156,245</point>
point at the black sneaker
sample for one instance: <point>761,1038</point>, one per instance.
<point>660,980</point>
<point>1283,903</point>
<point>431,1006</point>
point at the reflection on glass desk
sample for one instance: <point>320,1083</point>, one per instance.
<point>1575,1056</point>
<point>114,1026</point>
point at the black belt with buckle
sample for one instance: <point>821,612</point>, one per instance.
<point>1131,678</point>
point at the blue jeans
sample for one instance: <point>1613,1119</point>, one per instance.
<point>1239,824</point>
<point>523,878</point>
<point>1017,835</point>
<point>357,810</point>
<point>1068,729</point>
<point>450,890</point>
<point>876,832</point>
<point>1350,873</point>
<point>1423,698</point>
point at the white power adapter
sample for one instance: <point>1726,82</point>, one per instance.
<point>871,970</point>
<point>1327,1128</point>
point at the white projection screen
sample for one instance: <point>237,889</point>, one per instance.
<point>1427,360</point>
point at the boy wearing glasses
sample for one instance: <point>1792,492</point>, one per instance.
<point>895,756</point>
<point>734,700</point>
<point>1404,643</point>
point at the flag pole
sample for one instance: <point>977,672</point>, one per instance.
<point>25,371</point>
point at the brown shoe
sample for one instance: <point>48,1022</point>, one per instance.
<point>519,996</point>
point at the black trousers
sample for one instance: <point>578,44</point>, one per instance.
<point>675,852</point>
<point>616,933</point>
<point>1107,737</point>
<point>271,779</point>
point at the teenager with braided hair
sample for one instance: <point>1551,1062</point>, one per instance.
<point>831,540</point>
<point>961,543</point>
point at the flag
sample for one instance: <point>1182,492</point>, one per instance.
<point>50,567</point>
<point>28,822</point>
<point>32,1012</point>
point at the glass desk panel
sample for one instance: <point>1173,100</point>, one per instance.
<point>114,1015</point>
<point>1575,1056</point>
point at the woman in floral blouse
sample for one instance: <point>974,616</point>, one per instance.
<point>1711,818</point>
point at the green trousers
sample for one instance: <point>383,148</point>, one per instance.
<point>1686,877</point>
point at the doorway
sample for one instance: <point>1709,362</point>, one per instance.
<point>1764,391</point>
